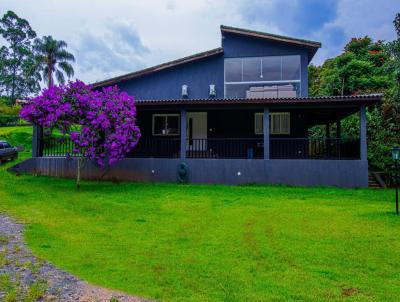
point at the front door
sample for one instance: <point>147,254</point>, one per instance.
<point>196,131</point>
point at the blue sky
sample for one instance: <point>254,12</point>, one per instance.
<point>109,38</point>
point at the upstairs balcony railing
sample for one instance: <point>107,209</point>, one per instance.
<point>225,148</point>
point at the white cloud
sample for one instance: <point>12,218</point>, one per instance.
<point>110,38</point>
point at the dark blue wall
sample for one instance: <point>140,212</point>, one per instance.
<point>241,46</point>
<point>198,75</point>
<point>167,84</point>
<point>341,173</point>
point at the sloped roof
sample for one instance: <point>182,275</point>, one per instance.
<point>350,99</point>
<point>160,67</point>
<point>312,46</point>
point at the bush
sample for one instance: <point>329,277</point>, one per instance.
<point>9,115</point>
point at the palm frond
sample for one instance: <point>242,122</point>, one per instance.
<point>63,55</point>
<point>67,68</point>
<point>61,44</point>
<point>60,77</point>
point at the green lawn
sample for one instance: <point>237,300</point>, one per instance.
<point>18,135</point>
<point>214,243</point>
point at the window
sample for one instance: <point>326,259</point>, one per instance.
<point>279,123</point>
<point>7,145</point>
<point>258,123</point>
<point>262,77</point>
<point>165,124</point>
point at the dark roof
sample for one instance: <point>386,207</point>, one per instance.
<point>365,98</point>
<point>160,67</point>
<point>312,46</point>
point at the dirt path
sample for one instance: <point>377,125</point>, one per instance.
<point>24,276</point>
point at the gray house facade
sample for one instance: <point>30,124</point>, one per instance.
<point>236,114</point>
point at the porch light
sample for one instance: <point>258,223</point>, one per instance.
<point>396,159</point>
<point>185,92</point>
<point>396,153</point>
<point>213,91</point>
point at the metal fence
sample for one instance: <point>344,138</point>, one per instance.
<point>240,148</point>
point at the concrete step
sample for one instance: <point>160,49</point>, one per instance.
<point>372,183</point>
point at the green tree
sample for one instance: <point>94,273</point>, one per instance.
<point>19,76</point>
<point>359,69</point>
<point>392,108</point>
<point>366,66</point>
<point>314,78</point>
<point>53,59</point>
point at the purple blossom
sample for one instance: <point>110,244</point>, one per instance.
<point>107,119</point>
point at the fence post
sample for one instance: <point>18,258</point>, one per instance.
<point>37,141</point>
<point>183,135</point>
<point>266,133</point>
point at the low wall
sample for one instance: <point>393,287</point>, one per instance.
<point>341,173</point>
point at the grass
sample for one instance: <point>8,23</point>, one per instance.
<point>18,135</point>
<point>213,243</point>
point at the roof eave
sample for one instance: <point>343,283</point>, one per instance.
<point>280,38</point>
<point>160,67</point>
<point>358,99</point>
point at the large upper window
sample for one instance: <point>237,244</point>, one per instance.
<point>262,77</point>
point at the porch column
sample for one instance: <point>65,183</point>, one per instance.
<point>327,130</point>
<point>266,132</point>
<point>363,133</point>
<point>37,137</point>
<point>338,129</point>
<point>183,135</point>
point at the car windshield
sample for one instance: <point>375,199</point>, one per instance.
<point>7,145</point>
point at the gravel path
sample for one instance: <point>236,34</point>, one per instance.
<point>22,275</point>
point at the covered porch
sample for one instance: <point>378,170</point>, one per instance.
<point>262,129</point>
<point>232,141</point>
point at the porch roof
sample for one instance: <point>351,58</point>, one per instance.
<point>350,100</point>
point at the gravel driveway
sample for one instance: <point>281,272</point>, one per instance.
<point>24,276</point>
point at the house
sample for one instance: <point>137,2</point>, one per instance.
<point>241,113</point>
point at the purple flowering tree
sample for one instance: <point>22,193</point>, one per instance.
<point>101,124</point>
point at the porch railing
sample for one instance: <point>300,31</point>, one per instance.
<point>235,148</point>
<point>157,147</point>
<point>314,148</point>
<point>225,148</point>
<point>57,146</point>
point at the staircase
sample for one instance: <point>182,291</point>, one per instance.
<point>375,181</point>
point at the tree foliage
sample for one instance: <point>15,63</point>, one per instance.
<point>101,124</point>
<point>366,66</point>
<point>19,76</point>
<point>25,61</point>
<point>53,59</point>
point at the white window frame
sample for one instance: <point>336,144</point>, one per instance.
<point>272,130</point>
<point>165,115</point>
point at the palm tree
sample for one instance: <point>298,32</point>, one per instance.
<point>53,58</point>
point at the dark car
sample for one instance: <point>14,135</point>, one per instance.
<point>7,151</point>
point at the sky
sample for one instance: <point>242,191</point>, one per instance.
<point>110,38</point>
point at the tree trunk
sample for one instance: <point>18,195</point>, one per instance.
<point>50,77</point>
